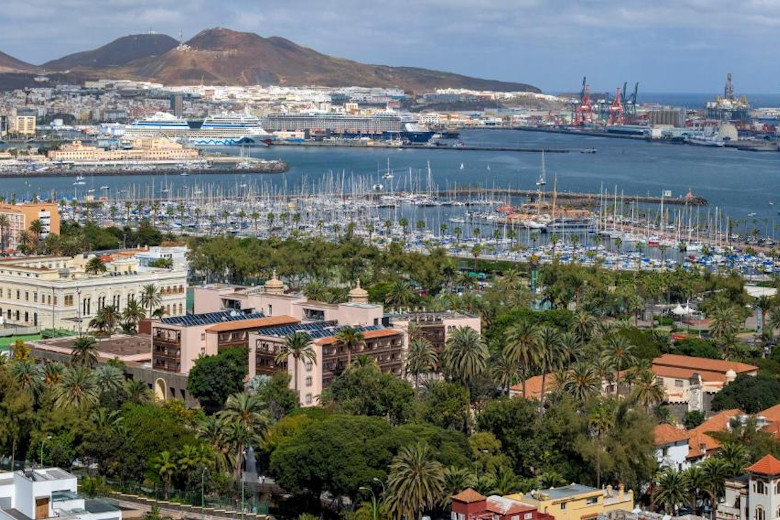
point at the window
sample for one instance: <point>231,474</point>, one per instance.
<point>309,401</point>
<point>309,366</point>
<point>528,516</point>
<point>453,515</point>
<point>203,336</point>
<point>759,486</point>
<point>777,490</point>
<point>592,500</point>
<point>563,506</point>
<point>308,381</point>
<point>678,383</point>
<point>68,300</point>
<point>665,451</point>
<point>515,517</point>
<point>760,513</point>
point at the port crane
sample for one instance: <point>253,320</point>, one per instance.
<point>583,111</point>
<point>616,109</point>
<point>629,101</point>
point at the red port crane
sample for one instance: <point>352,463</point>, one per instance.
<point>583,112</point>
<point>616,110</point>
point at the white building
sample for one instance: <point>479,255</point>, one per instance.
<point>46,291</point>
<point>48,493</point>
<point>755,495</point>
<point>671,447</point>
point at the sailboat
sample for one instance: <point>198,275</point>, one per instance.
<point>461,166</point>
<point>388,174</point>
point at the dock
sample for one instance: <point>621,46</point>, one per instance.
<point>573,197</point>
<point>461,147</point>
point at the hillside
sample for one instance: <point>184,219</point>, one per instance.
<point>12,65</point>
<point>117,53</point>
<point>223,56</point>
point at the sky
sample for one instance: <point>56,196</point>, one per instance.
<point>665,45</point>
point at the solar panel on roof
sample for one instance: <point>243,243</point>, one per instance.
<point>317,330</point>
<point>210,318</point>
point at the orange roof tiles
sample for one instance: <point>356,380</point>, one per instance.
<point>771,414</point>
<point>772,429</point>
<point>768,465</point>
<point>369,334</point>
<point>255,323</point>
<point>668,434</point>
<point>699,442</point>
<point>468,496</point>
<point>699,364</point>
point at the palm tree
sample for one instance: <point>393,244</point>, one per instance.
<point>522,346</point>
<point>715,474</point>
<point>735,456</point>
<point>504,370</point>
<point>600,422</point>
<point>137,392</point>
<point>415,483</point>
<point>695,482</point>
<point>165,467</point>
<point>725,320</point>
<point>106,320</point>
<point>52,373</point>
<point>764,303</point>
<point>581,381</point>
<point>350,338</point>
<point>299,346</point>
<point>670,491</point>
<point>150,298</point>
<point>133,314</point>
<point>401,294</point>
<point>583,324</point>
<point>552,355</point>
<point>84,352</point>
<point>245,417</point>
<point>421,358</point>
<point>78,389</point>
<point>110,380</point>
<point>647,390</point>
<point>95,266</point>
<point>620,352</point>
<point>27,374</point>
<point>465,355</point>
<point>456,479</point>
<point>26,241</point>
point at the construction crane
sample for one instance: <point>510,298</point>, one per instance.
<point>583,111</point>
<point>616,109</point>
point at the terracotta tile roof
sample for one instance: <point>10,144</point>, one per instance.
<point>685,373</point>
<point>533,385</point>
<point>668,434</point>
<point>771,414</point>
<point>772,429</point>
<point>507,506</point>
<point>369,334</point>
<point>698,436</point>
<point>768,465</point>
<point>468,496</point>
<point>703,364</point>
<point>254,323</point>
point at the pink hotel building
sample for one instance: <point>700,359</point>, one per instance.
<point>260,318</point>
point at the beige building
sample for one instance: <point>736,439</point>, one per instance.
<point>142,150</point>
<point>46,291</point>
<point>21,125</point>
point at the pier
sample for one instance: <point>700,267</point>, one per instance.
<point>574,197</point>
<point>374,144</point>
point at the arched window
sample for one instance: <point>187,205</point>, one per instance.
<point>760,513</point>
<point>760,488</point>
<point>777,490</point>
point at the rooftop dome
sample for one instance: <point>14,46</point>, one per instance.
<point>274,285</point>
<point>358,294</point>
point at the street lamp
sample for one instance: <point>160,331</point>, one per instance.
<point>202,496</point>
<point>373,499</point>
<point>43,441</point>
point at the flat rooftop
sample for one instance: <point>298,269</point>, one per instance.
<point>571,490</point>
<point>126,348</point>
<point>210,318</point>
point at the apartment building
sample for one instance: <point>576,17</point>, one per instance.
<point>22,125</point>
<point>435,327</point>
<point>178,341</point>
<point>754,495</point>
<point>578,502</point>
<point>142,150</point>
<point>21,215</point>
<point>46,291</point>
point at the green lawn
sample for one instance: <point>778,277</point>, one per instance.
<point>10,340</point>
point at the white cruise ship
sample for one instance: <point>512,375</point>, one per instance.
<point>217,130</point>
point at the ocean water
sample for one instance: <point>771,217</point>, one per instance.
<point>738,183</point>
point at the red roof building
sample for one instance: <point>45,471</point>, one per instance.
<point>470,505</point>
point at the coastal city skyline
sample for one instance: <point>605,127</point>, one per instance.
<point>663,45</point>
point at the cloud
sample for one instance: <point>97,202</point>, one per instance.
<point>665,44</point>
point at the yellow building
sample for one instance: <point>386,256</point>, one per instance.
<point>21,215</point>
<point>142,150</point>
<point>578,502</point>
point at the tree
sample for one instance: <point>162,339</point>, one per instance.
<point>523,347</point>
<point>421,358</point>
<point>350,338</point>
<point>552,355</point>
<point>133,314</point>
<point>504,370</point>
<point>715,475</point>
<point>749,393</point>
<point>465,355</point>
<point>446,405</point>
<point>95,266</point>
<point>213,378</point>
<point>366,390</point>
<point>165,467</point>
<point>245,418</point>
<point>647,392</point>
<point>275,394</point>
<point>78,389</point>
<point>581,381</point>
<point>670,490</point>
<point>297,345</point>
<point>150,298</point>
<point>84,352</point>
<point>692,419</point>
<point>415,483</point>
<point>620,353</point>
<point>106,320</point>
<point>600,421</point>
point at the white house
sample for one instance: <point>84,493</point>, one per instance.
<point>48,493</point>
<point>671,446</point>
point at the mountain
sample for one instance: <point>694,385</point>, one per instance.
<point>117,53</point>
<point>226,57</point>
<point>12,65</point>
